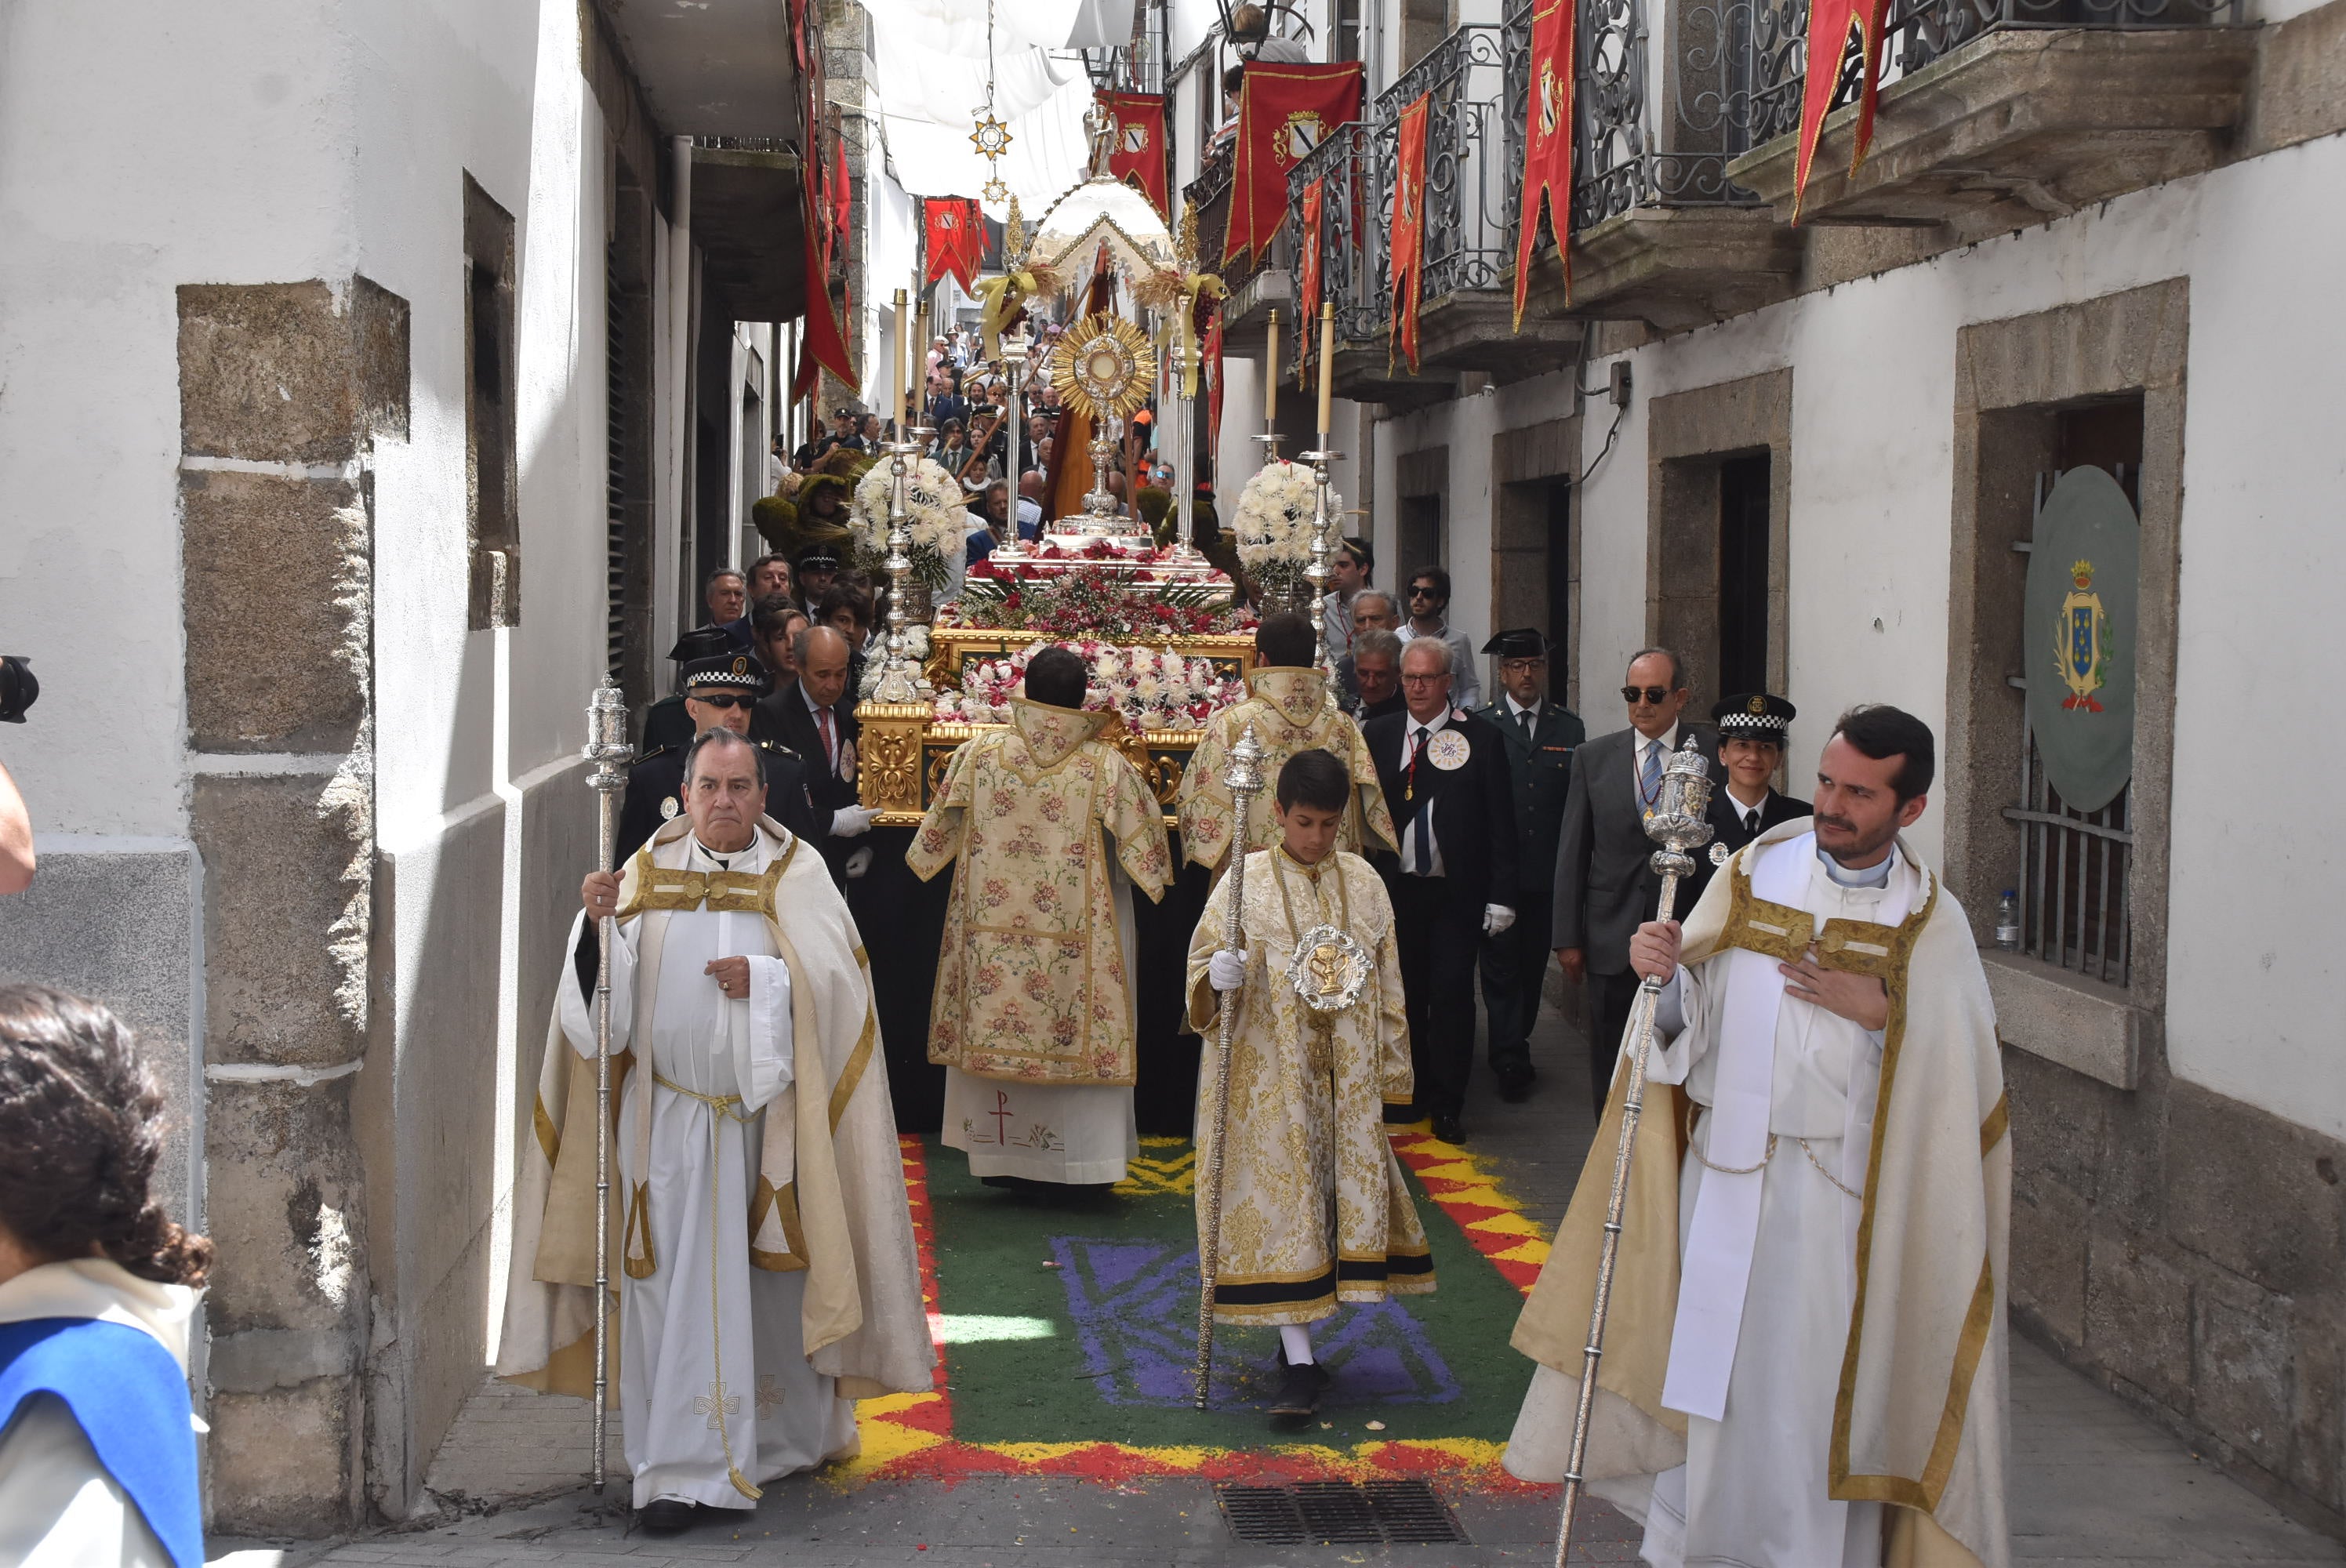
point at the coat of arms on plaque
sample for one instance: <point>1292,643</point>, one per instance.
<point>2081,640</point>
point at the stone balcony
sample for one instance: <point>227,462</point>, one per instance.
<point>2020,125</point>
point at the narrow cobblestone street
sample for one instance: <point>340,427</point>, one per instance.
<point>2092,1482</point>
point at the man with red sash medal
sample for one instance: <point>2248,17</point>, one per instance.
<point>1816,1377</point>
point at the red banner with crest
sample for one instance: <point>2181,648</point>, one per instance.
<point>954,235</point>
<point>1831,22</point>
<point>1547,146</point>
<point>1284,111</point>
<point>1408,244</point>
<point>1137,155</point>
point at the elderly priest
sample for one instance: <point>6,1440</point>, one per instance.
<point>1804,1362</point>
<point>760,1215</point>
<point>1048,829</point>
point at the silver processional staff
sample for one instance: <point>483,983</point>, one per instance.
<point>1677,823</point>
<point>608,750</point>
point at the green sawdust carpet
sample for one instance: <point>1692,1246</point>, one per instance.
<point>1070,1316</point>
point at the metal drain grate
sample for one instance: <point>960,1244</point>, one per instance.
<point>1337,1513</point>
<point>1409,1512</point>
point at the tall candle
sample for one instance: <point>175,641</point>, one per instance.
<point>1270,376</point>
<point>1327,365</point>
<point>896,363</point>
<point>917,369</point>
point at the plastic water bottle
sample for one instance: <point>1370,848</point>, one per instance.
<point>2008,921</point>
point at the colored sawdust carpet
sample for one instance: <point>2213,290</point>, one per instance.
<point>1066,1323</point>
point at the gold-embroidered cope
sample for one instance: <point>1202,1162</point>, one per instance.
<point>1292,710</point>
<point>1031,979</point>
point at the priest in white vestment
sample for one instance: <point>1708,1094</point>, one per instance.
<point>759,1220</point>
<point>1804,1360</point>
<point>1049,827</point>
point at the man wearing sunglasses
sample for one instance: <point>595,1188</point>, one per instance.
<point>1427,603</point>
<point>1604,882</point>
<point>719,693</point>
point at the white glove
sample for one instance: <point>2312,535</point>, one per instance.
<point>850,820</point>
<point>1227,970</point>
<point>859,862</point>
<point>1497,918</point>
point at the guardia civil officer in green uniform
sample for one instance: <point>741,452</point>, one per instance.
<point>720,690</point>
<point>1541,737</point>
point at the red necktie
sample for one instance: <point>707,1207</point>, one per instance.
<point>830,752</point>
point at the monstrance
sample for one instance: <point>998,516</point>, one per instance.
<point>1104,367</point>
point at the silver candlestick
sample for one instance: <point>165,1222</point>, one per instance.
<point>1316,573</point>
<point>1014,363</point>
<point>900,675</point>
<point>1185,528</point>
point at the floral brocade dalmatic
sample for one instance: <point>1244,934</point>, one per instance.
<point>1031,981</point>
<point>1291,711</point>
<point>1314,1209</point>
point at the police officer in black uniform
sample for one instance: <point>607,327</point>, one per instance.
<point>666,725</point>
<point>719,690</point>
<point>1751,730</point>
<point>1541,737</point>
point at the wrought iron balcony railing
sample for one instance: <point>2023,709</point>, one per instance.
<point>1632,146</point>
<point>1469,177</point>
<point>1769,41</point>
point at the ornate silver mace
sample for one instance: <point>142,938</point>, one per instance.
<point>608,750</point>
<point>1677,823</point>
<point>1244,781</point>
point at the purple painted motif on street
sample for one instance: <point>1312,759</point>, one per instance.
<point>1135,1306</point>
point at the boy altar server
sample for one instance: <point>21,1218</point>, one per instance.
<point>1804,1360</point>
<point>1314,1211</point>
<point>1048,829</point>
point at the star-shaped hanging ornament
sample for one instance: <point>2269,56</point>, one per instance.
<point>992,137</point>
<point>995,192</point>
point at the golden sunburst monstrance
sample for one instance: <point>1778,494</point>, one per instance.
<point>1105,366</point>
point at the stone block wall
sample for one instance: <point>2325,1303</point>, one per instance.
<point>2185,1249</point>
<point>281,389</point>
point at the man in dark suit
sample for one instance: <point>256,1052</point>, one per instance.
<point>816,719</point>
<point>1374,667</point>
<point>1751,731</point>
<point>1540,738</point>
<point>1604,882</point>
<point>1444,774</point>
<point>718,693</point>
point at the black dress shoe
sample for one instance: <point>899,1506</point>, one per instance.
<point>666,1515</point>
<point>1516,1086</point>
<point>1446,1130</point>
<point>1300,1388</point>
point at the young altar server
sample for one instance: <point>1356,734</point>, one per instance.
<point>1292,710</point>
<point>761,1243</point>
<point>1314,1211</point>
<point>1048,829</point>
<point>1804,1357</point>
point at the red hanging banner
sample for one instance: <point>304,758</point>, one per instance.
<point>1831,22</point>
<point>1547,146</point>
<point>954,236</point>
<point>842,202</point>
<point>1284,110</point>
<point>1136,156</point>
<point>1408,245</point>
<point>1307,283</point>
<point>822,346</point>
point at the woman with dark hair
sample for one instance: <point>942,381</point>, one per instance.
<point>97,1293</point>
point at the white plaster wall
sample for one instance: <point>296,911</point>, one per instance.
<point>1872,484</point>
<point>142,146</point>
